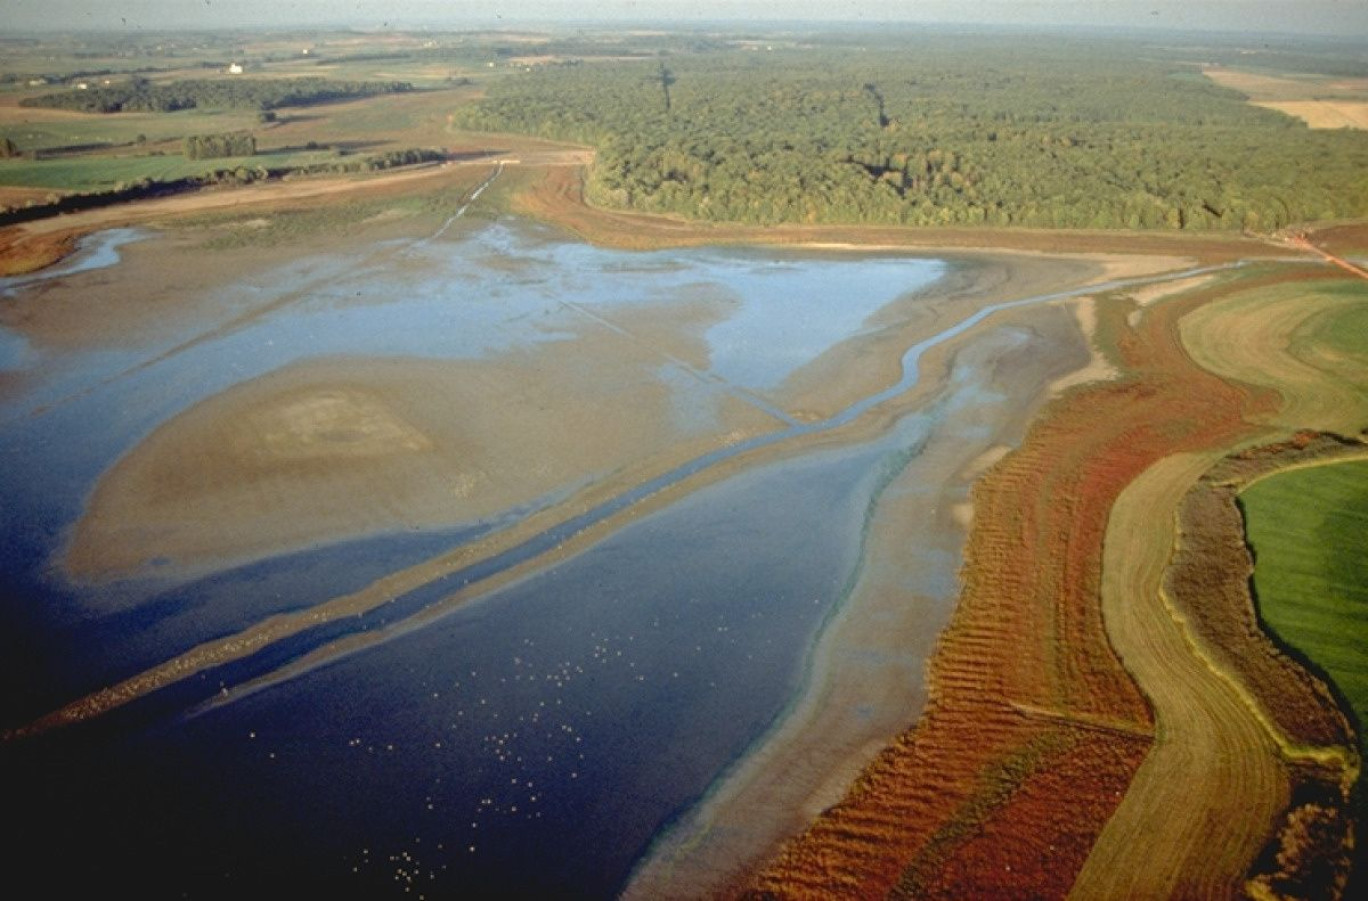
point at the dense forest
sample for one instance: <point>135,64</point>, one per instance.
<point>140,95</point>
<point>946,132</point>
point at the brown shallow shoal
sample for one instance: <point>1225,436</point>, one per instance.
<point>332,448</point>
<point>1024,684</point>
<point>167,284</point>
<point>20,254</point>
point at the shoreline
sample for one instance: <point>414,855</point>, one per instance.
<point>556,197</point>
<point>1023,683</point>
<point>863,682</point>
<point>548,191</point>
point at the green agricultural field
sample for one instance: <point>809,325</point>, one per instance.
<point>1304,340</point>
<point>95,173</point>
<point>369,125</point>
<point>1309,531</point>
<point>1343,337</point>
<point>416,117</point>
<point>49,133</point>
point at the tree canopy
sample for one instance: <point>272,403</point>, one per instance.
<point>937,132</point>
<point>208,147</point>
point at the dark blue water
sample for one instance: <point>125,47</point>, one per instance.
<point>550,727</point>
<point>140,620</point>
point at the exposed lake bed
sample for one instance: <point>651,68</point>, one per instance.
<point>475,383</point>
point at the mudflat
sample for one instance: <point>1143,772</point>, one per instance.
<point>337,446</point>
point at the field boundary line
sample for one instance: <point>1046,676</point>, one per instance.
<point>1290,751</point>
<point>1080,720</point>
<point>1305,464</point>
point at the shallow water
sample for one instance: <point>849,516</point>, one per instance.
<point>532,742</point>
<point>93,252</point>
<point>97,251</point>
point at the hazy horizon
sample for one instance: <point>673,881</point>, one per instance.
<point>1337,18</point>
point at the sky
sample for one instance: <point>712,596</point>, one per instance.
<point>1343,18</point>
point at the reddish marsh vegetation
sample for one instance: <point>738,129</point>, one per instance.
<point>1033,729</point>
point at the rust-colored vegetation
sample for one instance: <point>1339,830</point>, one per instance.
<point>1033,729</point>
<point>22,253</point>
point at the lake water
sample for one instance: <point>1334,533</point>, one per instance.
<point>530,743</point>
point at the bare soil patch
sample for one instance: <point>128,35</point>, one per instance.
<point>20,254</point>
<point>1259,86</point>
<point>1319,101</point>
<point>1323,113</point>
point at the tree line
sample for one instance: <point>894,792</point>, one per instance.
<point>945,132</point>
<point>145,188</point>
<point>140,95</point>
<point>208,147</point>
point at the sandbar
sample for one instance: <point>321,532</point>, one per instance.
<point>331,448</point>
